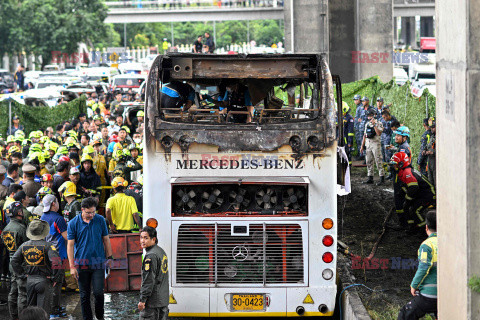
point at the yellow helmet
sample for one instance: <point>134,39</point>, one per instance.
<point>68,188</point>
<point>70,140</point>
<point>345,107</point>
<point>118,182</point>
<point>117,154</point>
<point>19,133</point>
<point>10,138</point>
<point>53,146</point>
<point>37,155</point>
<point>88,149</point>
<point>44,139</point>
<point>13,149</point>
<point>86,157</point>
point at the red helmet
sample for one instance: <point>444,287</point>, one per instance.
<point>114,137</point>
<point>47,177</point>
<point>400,160</point>
<point>64,158</point>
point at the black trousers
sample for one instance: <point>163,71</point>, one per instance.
<point>417,308</point>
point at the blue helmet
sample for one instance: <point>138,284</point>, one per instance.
<point>403,131</point>
<point>356,97</point>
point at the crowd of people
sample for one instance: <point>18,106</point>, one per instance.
<point>52,184</point>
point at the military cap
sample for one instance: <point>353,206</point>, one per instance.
<point>28,168</point>
<point>356,97</point>
<point>380,99</point>
<point>365,98</point>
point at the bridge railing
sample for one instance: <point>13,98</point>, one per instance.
<point>193,4</point>
<point>413,2</point>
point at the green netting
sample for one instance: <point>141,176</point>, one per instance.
<point>34,118</point>
<point>409,110</point>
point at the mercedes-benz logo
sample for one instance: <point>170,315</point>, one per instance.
<point>240,253</point>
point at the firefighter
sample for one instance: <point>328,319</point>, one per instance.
<point>34,259</point>
<point>371,139</point>
<point>13,236</point>
<point>154,294</point>
<point>402,135</point>
<point>413,193</point>
<point>126,164</point>
<point>72,206</point>
<point>348,130</point>
<point>424,285</point>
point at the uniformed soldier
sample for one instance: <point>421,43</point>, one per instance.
<point>372,142</point>
<point>154,294</point>
<point>35,259</point>
<point>13,236</point>
<point>348,130</point>
<point>424,141</point>
<point>29,185</point>
<point>357,120</point>
<point>431,151</point>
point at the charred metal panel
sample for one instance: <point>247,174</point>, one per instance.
<point>306,136</point>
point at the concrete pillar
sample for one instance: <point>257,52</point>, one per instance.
<point>458,140</point>
<point>395,30</point>
<point>309,26</point>
<point>6,61</point>
<point>408,31</point>
<point>374,36</point>
<point>342,38</point>
<point>426,27</point>
<point>14,62</point>
<point>31,62</point>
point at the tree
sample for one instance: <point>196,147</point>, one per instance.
<point>140,40</point>
<point>49,26</point>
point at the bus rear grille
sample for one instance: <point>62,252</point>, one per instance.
<point>269,254</point>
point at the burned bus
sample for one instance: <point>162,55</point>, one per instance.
<point>247,210</point>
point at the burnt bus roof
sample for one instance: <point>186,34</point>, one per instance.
<point>260,71</point>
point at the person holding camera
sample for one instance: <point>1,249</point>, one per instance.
<point>372,144</point>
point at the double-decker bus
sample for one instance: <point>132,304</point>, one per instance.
<point>246,211</point>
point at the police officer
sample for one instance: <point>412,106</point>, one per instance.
<point>35,259</point>
<point>348,130</point>
<point>154,295</point>
<point>371,140</point>
<point>357,120</point>
<point>13,236</point>
<point>379,108</point>
<point>29,185</point>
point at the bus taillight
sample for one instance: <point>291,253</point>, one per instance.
<point>327,257</point>
<point>327,223</point>
<point>327,241</point>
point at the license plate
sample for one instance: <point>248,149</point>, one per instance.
<point>246,302</point>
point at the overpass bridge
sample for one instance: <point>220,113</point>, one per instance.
<point>141,11</point>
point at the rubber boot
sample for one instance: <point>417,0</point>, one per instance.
<point>369,180</point>
<point>382,181</point>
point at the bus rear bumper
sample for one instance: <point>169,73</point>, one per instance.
<point>279,302</point>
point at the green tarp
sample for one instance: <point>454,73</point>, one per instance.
<point>35,118</point>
